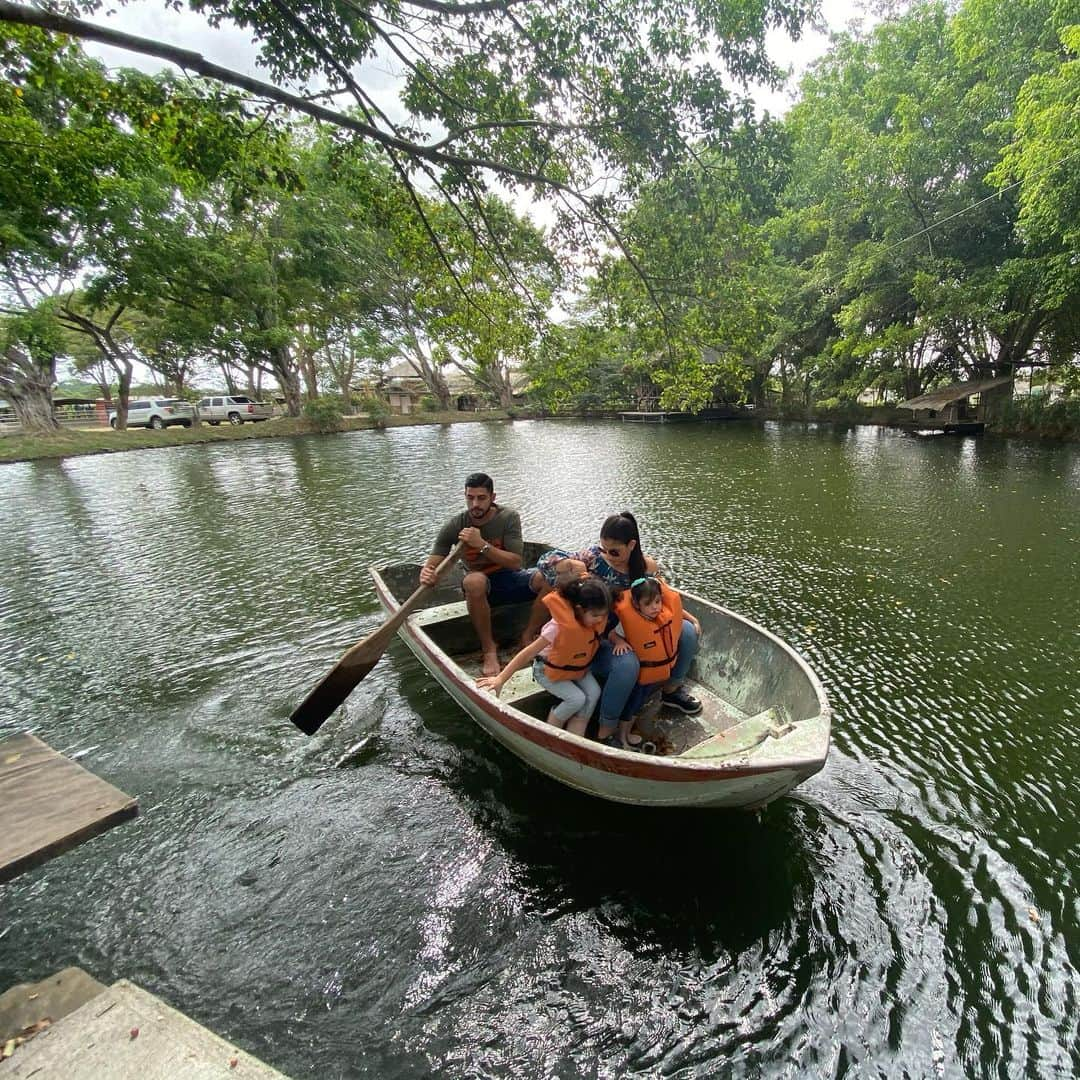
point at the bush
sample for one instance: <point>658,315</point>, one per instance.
<point>1056,419</point>
<point>429,403</point>
<point>374,407</point>
<point>324,412</point>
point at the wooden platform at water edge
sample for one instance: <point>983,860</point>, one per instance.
<point>49,803</point>
<point>70,1025</point>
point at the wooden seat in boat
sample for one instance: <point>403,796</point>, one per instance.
<point>744,735</point>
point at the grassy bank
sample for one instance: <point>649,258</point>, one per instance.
<point>76,442</point>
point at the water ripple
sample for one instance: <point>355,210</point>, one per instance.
<point>398,896</point>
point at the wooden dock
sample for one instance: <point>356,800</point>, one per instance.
<point>125,1033</point>
<point>650,417</point>
<point>49,803</point>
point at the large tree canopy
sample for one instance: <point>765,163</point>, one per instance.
<point>545,94</point>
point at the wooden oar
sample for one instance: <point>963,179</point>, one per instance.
<point>341,679</point>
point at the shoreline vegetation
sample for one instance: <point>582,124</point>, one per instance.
<point>82,442</point>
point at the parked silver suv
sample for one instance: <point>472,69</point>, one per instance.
<point>156,413</point>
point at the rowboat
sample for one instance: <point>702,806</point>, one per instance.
<point>763,729</point>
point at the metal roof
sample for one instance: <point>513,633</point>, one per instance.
<point>936,399</point>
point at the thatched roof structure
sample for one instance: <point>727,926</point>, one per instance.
<point>938,399</point>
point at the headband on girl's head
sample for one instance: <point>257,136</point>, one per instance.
<point>641,581</point>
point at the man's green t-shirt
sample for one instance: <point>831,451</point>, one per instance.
<point>502,530</point>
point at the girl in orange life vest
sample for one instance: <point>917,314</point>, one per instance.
<point>650,621</point>
<point>561,655</point>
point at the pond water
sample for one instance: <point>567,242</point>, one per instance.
<point>432,906</point>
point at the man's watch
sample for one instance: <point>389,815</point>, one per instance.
<point>484,550</point>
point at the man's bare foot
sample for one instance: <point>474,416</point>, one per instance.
<point>491,663</point>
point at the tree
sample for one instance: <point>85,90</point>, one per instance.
<point>893,145</point>
<point>1042,155</point>
<point>110,335</point>
<point>109,173</point>
<point>697,254</point>
<point>30,343</point>
<point>537,95</point>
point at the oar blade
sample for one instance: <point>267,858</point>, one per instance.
<point>336,685</point>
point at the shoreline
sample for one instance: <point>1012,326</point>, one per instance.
<point>86,442</point>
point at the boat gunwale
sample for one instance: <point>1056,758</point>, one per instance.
<point>596,755</point>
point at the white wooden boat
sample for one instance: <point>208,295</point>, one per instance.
<point>763,729</point>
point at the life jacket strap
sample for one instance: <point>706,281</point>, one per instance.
<point>659,663</point>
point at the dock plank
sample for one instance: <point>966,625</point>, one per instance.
<point>49,804</point>
<point>129,1034</point>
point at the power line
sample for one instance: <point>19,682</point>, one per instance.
<point>967,209</point>
<point>976,205</point>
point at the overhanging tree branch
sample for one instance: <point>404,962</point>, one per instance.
<point>193,61</point>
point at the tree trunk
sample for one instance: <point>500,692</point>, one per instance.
<point>123,393</point>
<point>34,408</point>
<point>434,381</point>
<point>227,375</point>
<point>288,377</point>
<point>755,386</point>
<point>343,369</point>
<point>500,382</point>
<point>785,381</point>
<point>27,384</point>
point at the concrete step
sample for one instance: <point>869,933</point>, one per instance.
<point>125,1033</point>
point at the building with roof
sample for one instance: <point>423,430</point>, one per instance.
<point>960,409</point>
<point>405,390</point>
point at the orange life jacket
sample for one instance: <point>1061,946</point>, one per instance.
<point>570,655</point>
<point>655,641</point>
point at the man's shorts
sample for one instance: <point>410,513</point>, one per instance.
<point>510,586</point>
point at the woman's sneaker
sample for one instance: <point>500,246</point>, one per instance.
<point>681,700</point>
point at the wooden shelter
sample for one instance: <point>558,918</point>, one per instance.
<point>959,409</point>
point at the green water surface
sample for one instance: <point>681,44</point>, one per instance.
<point>434,907</point>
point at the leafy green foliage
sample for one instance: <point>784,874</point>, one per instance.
<point>911,221</point>
<point>325,413</point>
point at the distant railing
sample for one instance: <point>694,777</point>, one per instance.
<point>9,422</point>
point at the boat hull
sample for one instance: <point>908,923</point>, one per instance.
<point>746,778</point>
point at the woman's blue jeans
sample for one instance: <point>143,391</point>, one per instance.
<point>620,673</point>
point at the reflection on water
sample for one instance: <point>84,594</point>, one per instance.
<point>434,906</point>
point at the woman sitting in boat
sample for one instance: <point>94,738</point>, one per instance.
<point>651,619</point>
<point>562,654</point>
<point>617,560</point>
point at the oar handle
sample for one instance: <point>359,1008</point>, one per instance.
<point>441,569</point>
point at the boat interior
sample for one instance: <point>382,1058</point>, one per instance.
<point>749,686</point>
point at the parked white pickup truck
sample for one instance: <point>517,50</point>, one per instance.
<point>236,409</point>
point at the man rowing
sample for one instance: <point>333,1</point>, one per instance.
<point>492,555</point>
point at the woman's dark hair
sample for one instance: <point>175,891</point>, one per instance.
<point>645,589</point>
<point>623,527</point>
<point>587,593</point>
